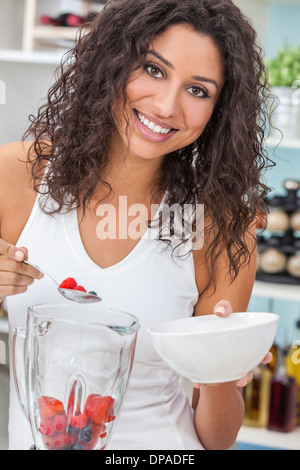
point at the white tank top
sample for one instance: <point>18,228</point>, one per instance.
<point>156,413</point>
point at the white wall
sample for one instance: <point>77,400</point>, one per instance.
<point>26,86</point>
<point>11,17</point>
<point>258,13</point>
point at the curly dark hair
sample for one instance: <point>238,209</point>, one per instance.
<point>222,169</point>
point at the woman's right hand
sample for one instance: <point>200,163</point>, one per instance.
<point>15,276</point>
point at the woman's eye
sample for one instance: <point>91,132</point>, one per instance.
<point>154,71</point>
<point>198,92</point>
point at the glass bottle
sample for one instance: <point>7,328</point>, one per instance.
<point>272,365</point>
<point>283,397</point>
<point>293,366</point>
<point>256,396</point>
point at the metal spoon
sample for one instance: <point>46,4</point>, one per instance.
<point>70,294</point>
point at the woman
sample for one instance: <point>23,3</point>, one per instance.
<point>158,101</point>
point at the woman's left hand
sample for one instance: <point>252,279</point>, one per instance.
<point>224,309</point>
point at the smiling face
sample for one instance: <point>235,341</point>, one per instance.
<point>171,99</point>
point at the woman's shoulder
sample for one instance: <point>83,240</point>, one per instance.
<point>15,169</point>
<point>16,191</point>
<point>13,158</point>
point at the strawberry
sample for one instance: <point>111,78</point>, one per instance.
<point>50,407</point>
<point>49,442</point>
<point>110,418</point>
<point>92,395</point>
<point>68,283</point>
<point>99,409</point>
<point>71,402</point>
<point>61,441</point>
<point>97,429</point>
<point>80,288</point>
<point>60,422</point>
<point>69,440</point>
<point>47,428</point>
<point>79,421</point>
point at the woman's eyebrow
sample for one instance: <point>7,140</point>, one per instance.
<point>165,61</point>
<point>206,79</point>
<point>171,66</point>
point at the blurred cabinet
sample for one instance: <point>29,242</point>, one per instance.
<point>33,32</point>
<point>20,27</point>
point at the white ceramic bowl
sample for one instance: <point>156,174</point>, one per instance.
<point>210,349</point>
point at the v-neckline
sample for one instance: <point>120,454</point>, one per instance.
<point>140,248</point>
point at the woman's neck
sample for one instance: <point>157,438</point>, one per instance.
<point>131,175</point>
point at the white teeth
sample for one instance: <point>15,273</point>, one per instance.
<point>153,127</point>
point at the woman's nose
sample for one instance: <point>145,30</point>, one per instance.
<point>167,102</point>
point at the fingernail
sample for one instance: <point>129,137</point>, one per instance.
<point>40,275</point>
<point>196,385</point>
<point>19,255</point>
<point>220,310</point>
<point>243,383</point>
<point>268,358</point>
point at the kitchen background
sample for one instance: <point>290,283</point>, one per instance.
<point>29,55</point>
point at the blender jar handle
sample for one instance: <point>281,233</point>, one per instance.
<point>19,334</point>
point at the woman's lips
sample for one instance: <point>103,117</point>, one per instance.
<point>148,133</point>
<point>155,120</point>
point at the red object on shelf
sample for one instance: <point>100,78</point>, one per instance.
<point>66,19</point>
<point>283,400</point>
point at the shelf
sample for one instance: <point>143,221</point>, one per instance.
<point>54,32</point>
<point>3,325</point>
<point>35,57</point>
<point>33,31</point>
<point>276,291</point>
<point>265,438</point>
<point>284,143</point>
<point>284,2</point>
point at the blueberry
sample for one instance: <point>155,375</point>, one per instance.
<point>85,434</point>
<point>93,292</point>
<point>72,430</point>
<point>77,446</point>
